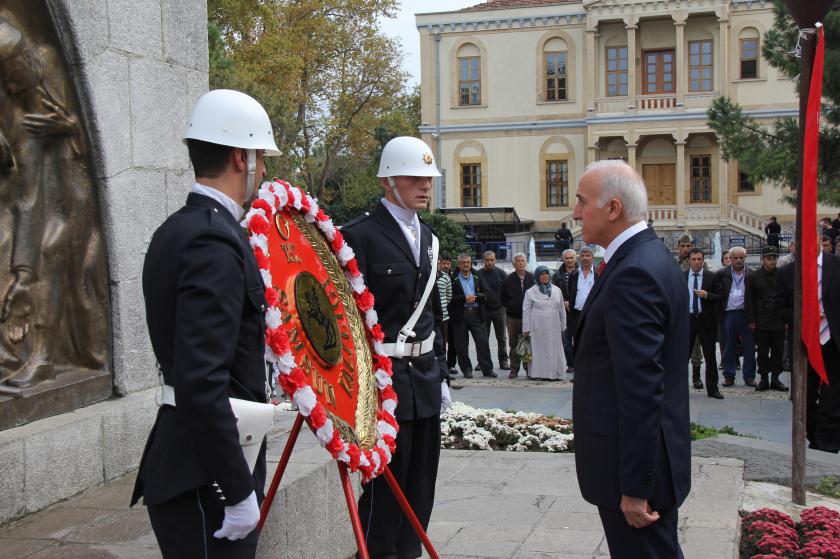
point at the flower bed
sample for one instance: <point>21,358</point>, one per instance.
<point>770,534</point>
<point>465,427</point>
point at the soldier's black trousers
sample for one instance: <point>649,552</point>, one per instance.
<point>770,345</point>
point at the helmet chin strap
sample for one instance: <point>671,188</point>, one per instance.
<point>252,172</point>
<point>396,192</point>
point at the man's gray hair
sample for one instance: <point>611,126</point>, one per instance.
<point>617,182</point>
<point>569,251</point>
<point>518,254</point>
<point>741,250</point>
<point>588,249</point>
<point>489,254</point>
<point>464,256</point>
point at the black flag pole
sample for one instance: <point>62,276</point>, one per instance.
<point>806,14</point>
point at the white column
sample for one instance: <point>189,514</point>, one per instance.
<point>680,62</point>
<point>681,186</point>
<point>723,57</point>
<point>631,26</point>
<point>590,59</point>
<point>631,155</point>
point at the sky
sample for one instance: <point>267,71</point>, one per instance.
<point>404,28</point>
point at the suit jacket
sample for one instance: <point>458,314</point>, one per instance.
<point>459,298</point>
<point>783,299</point>
<point>512,293</point>
<point>709,305</point>
<point>205,306</point>
<point>723,286</point>
<point>397,284</point>
<point>630,398</point>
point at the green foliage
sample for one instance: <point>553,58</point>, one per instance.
<point>704,432</point>
<point>771,153</point>
<point>450,234</point>
<point>828,486</point>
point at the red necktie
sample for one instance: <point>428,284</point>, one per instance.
<point>601,268</point>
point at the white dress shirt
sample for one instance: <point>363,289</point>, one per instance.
<point>691,294</point>
<point>622,238</point>
<point>410,225</point>
<point>825,333</point>
<point>230,205</point>
<point>584,286</point>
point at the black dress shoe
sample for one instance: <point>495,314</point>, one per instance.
<point>777,385</point>
<point>468,374</point>
<point>750,382</point>
<point>762,385</point>
<point>505,366</point>
<point>490,374</point>
<point>716,395</point>
<point>698,384</point>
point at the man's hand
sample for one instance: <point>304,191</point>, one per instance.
<point>751,327</point>
<point>240,519</point>
<point>445,397</point>
<point>702,293</point>
<point>638,512</point>
<point>470,298</point>
<point>525,334</point>
<point>566,303</point>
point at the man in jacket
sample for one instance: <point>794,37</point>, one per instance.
<point>731,284</point>
<point>581,283</point>
<point>205,308</point>
<point>511,295</point>
<point>495,312</point>
<point>394,251</point>
<point>767,325</point>
<point>701,318</point>
<point>561,280</point>
<point>468,315</point>
<point>630,401</point>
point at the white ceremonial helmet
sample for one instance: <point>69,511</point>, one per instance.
<point>231,118</point>
<point>406,156</point>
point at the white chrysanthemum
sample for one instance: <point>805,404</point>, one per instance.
<point>273,318</point>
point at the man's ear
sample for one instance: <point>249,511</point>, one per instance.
<point>239,160</point>
<point>383,182</point>
<point>615,207</point>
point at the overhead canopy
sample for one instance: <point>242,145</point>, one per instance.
<point>485,216</point>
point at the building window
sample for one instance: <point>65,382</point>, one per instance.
<point>749,59</point>
<point>616,71</point>
<point>557,183</point>
<point>469,80</point>
<point>555,76</point>
<point>701,178</point>
<point>700,65</point>
<point>744,183</point>
<point>659,72</point>
<point>471,185</point>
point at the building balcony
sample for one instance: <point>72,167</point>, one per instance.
<point>656,102</point>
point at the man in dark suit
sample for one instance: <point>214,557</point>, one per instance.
<point>701,318</point>
<point>822,423</point>
<point>772,230</point>
<point>766,324</point>
<point>630,400</point>
<point>468,315</point>
<point>564,238</point>
<point>395,255</point>
<point>205,307</point>
<point>581,283</point>
<point>731,285</point>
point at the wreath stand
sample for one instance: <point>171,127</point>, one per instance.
<point>348,495</point>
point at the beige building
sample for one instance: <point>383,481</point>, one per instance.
<point>518,96</point>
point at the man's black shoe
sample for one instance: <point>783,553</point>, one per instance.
<point>505,366</point>
<point>698,384</point>
<point>468,374</point>
<point>777,385</point>
<point>716,395</point>
<point>491,374</point>
<point>750,382</point>
<point>762,385</point>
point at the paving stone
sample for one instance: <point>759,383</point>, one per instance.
<point>114,527</point>
<point>55,523</point>
<point>18,549</point>
<point>72,551</point>
<point>114,495</point>
<point>569,541</point>
<point>478,538</point>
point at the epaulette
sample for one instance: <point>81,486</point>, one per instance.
<point>357,220</point>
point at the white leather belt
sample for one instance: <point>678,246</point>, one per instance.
<point>412,350</point>
<point>167,396</point>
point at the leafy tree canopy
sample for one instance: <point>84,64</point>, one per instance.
<point>770,153</point>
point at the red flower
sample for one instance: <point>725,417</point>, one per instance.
<point>262,259</point>
<point>352,267</point>
<point>321,216</point>
<point>338,241</point>
<point>387,418</point>
<point>318,417</point>
<point>355,454</point>
<point>277,340</point>
<point>383,459</point>
<point>272,297</point>
<point>305,206</point>
<point>388,393</point>
<point>364,300</point>
<point>261,204</point>
<point>382,362</point>
<point>259,225</point>
<point>390,441</point>
<point>377,333</point>
<point>336,444</point>
<point>367,470</point>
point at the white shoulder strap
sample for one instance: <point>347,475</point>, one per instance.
<point>407,330</point>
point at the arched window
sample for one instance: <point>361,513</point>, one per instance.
<point>749,53</point>
<point>555,66</point>
<point>469,75</point>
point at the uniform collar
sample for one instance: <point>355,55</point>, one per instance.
<point>622,237</point>
<point>226,201</point>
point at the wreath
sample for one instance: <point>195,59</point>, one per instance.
<point>277,196</point>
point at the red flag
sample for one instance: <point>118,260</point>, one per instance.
<point>810,302</point>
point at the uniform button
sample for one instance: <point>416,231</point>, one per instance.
<point>216,210</point>
<point>415,305</point>
<point>410,364</point>
<point>262,307</point>
<point>419,274</point>
<point>388,271</point>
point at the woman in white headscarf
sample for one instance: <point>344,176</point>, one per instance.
<point>543,319</point>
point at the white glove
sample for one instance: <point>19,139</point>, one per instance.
<point>445,397</point>
<point>240,519</point>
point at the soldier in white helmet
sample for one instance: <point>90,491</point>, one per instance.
<point>205,312</point>
<point>397,253</point>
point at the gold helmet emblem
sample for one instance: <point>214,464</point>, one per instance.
<point>427,158</point>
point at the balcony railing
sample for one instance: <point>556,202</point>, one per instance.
<point>656,102</point>
<point>662,214</point>
<point>702,212</point>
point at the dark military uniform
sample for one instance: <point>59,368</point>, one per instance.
<point>397,284</point>
<point>769,324</point>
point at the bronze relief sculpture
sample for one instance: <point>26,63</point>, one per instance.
<point>54,317</point>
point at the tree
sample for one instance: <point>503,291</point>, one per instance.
<point>771,153</point>
<point>449,233</point>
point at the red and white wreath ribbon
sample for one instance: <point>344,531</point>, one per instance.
<point>274,197</point>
